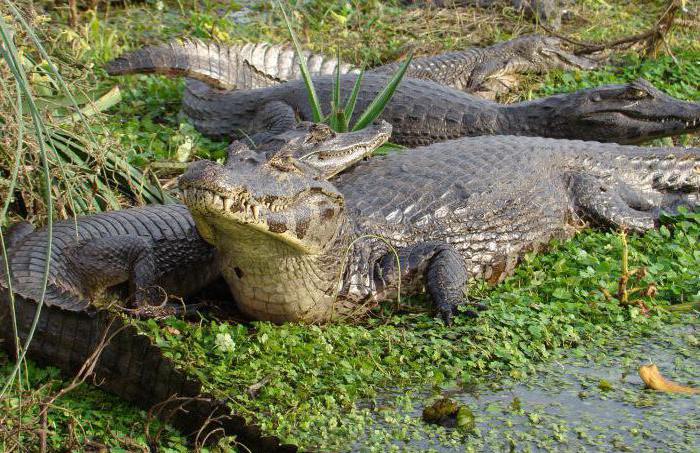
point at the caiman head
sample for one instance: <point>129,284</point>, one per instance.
<point>276,223</point>
<point>322,148</point>
<point>628,114</point>
<point>277,227</point>
<point>260,187</point>
<point>543,53</point>
<point>281,200</point>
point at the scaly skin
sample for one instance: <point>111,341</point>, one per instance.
<point>252,66</point>
<point>488,69</point>
<point>156,252</point>
<point>423,112</point>
<point>156,245</point>
<point>239,66</point>
<point>464,208</point>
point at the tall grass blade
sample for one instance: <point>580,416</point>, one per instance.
<point>352,100</point>
<point>106,101</point>
<point>316,109</point>
<point>334,121</point>
<point>377,106</point>
<point>129,177</point>
<point>45,55</point>
<point>10,190</point>
<point>11,56</point>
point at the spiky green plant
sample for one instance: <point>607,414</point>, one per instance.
<point>339,117</point>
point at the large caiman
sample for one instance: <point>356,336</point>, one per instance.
<point>482,70</point>
<point>424,112</point>
<point>295,247</point>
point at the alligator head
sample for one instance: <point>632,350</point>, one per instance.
<point>270,189</point>
<point>630,113</point>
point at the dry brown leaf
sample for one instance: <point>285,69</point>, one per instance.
<point>653,379</point>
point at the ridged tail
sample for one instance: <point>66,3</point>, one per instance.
<point>242,67</point>
<point>208,62</point>
<point>129,366</point>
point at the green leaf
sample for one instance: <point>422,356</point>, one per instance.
<point>316,109</point>
<point>352,100</point>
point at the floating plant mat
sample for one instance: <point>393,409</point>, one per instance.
<point>584,400</point>
<point>314,386</point>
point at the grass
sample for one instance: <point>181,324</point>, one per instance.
<point>85,415</point>
<point>311,383</point>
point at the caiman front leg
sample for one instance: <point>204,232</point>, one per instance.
<point>436,266</point>
<point>106,262</point>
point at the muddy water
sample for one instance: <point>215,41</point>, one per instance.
<point>582,401</point>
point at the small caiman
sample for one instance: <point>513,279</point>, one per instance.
<point>250,66</point>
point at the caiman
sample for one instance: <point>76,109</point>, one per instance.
<point>295,247</point>
<point>424,112</point>
<point>249,66</point>
<point>148,254</point>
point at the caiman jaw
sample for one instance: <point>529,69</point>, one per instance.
<point>267,217</point>
<point>277,197</point>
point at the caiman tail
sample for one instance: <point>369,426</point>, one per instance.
<point>129,366</point>
<point>241,66</point>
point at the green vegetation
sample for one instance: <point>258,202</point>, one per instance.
<point>340,116</point>
<point>319,386</point>
<point>84,415</point>
<point>306,383</point>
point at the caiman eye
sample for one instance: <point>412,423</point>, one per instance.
<point>596,98</point>
<point>319,133</point>
<point>638,94</point>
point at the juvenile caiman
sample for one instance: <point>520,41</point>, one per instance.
<point>148,253</point>
<point>249,66</point>
<point>295,247</point>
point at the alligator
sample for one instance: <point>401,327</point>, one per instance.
<point>489,70</point>
<point>423,112</point>
<point>142,255</point>
<point>250,66</point>
<point>295,247</point>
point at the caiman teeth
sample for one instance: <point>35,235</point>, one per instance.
<point>235,204</point>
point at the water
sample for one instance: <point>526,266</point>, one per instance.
<point>584,401</point>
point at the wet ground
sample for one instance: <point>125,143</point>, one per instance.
<point>582,401</point>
